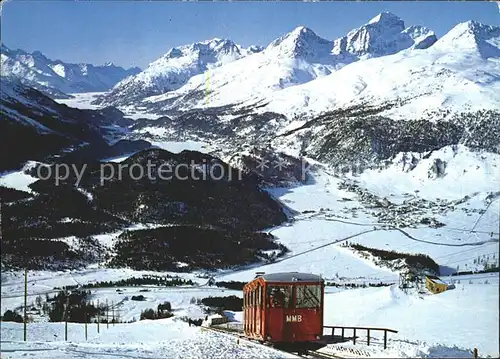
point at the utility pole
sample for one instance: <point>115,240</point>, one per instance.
<point>98,315</point>
<point>25,301</point>
<point>66,317</point>
<point>107,314</point>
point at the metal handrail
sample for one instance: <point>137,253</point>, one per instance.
<point>368,329</point>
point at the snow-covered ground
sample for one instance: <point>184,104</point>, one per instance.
<point>18,180</point>
<point>82,100</point>
<point>335,214</point>
<point>466,172</point>
<point>177,147</point>
<point>449,324</point>
<point>43,282</point>
<point>165,338</point>
<point>333,218</point>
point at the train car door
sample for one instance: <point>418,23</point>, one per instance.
<point>307,321</point>
<point>279,301</point>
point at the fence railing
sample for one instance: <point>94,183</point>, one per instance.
<point>356,330</point>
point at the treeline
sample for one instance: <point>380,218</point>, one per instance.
<point>235,285</point>
<point>161,249</point>
<point>41,216</point>
<point>231,302</point>
<point>33,224</point>
<point>418,262</point>
<point>357,285</point>
<point>489,270</point>
<point>8,195</point>
<point>162,311</point>
<point>11,316</point>
<point>73,306</point>
<point>165,281</point>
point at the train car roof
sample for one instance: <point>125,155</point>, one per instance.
<point>291,277</point>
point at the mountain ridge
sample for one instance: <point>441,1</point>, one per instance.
<point>296,57</point>
<point>456,73</point>
<point>172,70</point>
<point>58,78</point>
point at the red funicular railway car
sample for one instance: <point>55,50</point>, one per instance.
<point>284,307</point>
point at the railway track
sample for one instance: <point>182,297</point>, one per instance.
<point>316,354</point>
<point>241,337</point>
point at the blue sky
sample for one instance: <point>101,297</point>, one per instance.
<point>131,33</point>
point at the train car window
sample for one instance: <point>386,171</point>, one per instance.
<point>307,296</point>
<point>279,296</point>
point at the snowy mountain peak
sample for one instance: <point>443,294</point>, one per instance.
<point>215,48</point>
<point>207,51</point>
<point>174,69</point>
<point>303,30</point>
<point>385,34</point>
<point>39,55</point>
<point>388,19</point>
<point>472,35</point>
<point>300,34</point>
<point>301,42</point>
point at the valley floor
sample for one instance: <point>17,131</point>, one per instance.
<point>449,324</point>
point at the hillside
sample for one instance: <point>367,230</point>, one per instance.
<point>432,83</point>
<point>56,78</point>
<point>174,69</point>
<point>34,127</point>
<point>293,59</point>
<point>221,211</point>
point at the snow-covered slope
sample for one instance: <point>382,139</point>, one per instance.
<point>165,338</point>
<point>175,68</point>
<point>436,326</point>
<point>57,78</point>
<point>459,73</point>
<point>296,58</point>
